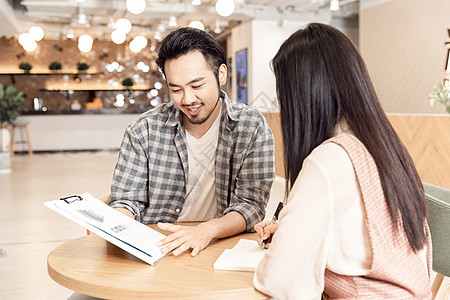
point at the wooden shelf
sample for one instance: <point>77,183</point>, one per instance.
<point>95,90</point>
<point>48,73</point>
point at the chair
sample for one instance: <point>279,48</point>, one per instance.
<point>276,196</point>
<point>438,199</point>
<point>24,127</point>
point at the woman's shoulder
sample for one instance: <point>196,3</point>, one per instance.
<point>332,159</point>
<point>329,153</point>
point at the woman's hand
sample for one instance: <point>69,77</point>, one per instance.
<point>265,230</point>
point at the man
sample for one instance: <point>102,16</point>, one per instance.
<point>201,157</point>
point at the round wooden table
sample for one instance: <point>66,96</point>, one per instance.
<point>95,267</point>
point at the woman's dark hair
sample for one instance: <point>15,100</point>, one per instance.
<point>321,80</point>
<point>185,40</point>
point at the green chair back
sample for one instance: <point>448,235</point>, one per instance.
<point>438,199</point>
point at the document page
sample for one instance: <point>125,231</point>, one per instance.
<point>244,256</point>
<point>124,232</point>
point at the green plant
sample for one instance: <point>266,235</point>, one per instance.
<point>127,82</point>
<point>82,66</point>
<point>54,65</point>
<point>441,94</point>
<point>12,103</point>
<point>25,66</point>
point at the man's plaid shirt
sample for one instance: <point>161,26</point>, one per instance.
<point>152,170</point>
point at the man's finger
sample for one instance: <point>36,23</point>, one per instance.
<point>195,251</point>
<point>169,227</point>
<point>181,249</point>
<point>171,246</point>
<point>170,238</point>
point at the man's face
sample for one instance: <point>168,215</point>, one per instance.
<point>193,87</point>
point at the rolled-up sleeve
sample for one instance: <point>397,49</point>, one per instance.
<point>129,188</point>
<point>255,177</point>
<point>294,265</point>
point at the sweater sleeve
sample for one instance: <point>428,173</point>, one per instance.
<point>294,265</point>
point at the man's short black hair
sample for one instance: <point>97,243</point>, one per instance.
<point>185,40</point>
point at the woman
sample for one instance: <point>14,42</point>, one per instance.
<point>355,223</point>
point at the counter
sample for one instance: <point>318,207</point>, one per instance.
<point>80,131</point>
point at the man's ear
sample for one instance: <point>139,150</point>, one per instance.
<point>222,74</point>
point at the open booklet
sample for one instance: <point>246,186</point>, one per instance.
<point>244,256</point>
<point>115,227</point>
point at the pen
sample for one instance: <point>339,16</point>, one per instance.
<point>274,219</point>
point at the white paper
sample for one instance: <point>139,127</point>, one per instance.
<point>115,227</point>
<point>244,256</point>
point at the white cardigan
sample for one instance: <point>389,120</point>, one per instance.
<point>322,226</point>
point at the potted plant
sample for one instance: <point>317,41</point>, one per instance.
<point>55,66</point>
<point>127,82</point>
<point>26,67</point>
<point>82,67</point>
<point>441,94</point>
<point>12,103</point>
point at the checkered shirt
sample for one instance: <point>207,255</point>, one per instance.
<point>152,170</point>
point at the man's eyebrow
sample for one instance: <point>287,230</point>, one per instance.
<point>190,82</point>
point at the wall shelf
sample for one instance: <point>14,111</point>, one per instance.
<point>50,73</point>
<point>94,90</point>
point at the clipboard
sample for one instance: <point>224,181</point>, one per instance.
<point>135,238</point>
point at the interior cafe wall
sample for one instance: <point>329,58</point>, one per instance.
<point>109,65</point>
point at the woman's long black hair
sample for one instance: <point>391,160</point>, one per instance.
<point>321,79</point>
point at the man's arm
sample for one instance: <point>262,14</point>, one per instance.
<point>252,184</point>
<point>125,212</point>
<point>198,237</point>
<point>129,184</point>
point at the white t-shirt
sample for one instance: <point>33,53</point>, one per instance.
<point>201,204</point>
<point>322,226</point>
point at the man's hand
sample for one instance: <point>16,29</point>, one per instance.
<point>186,237</point>
<point>198,237</point>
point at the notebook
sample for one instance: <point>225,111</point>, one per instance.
<point>244,256</point>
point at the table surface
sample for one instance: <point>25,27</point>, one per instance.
<point>95,267</point>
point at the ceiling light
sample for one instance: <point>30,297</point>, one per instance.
<point>24,38</point>
<point>158,85</point>
<point>217,28</point>
<point>118,37</point>
<point>153,92</point>
<point>140,65</point>
<point>30,45</point>
<point>70,34</point>
<point>85,42</point>
<point>86,39</point>
<point>161,28</point>
<point>157,37</point>
<point>141,41</point>
<point>225,7</point>
<point>196,2</point>
<point>123,25</point>
<point>82,19</point>
<point>334,5</point>
<point>136,6</point>
<point>172,21</point>
<point>197,24</point>
<point>134,46</point>
<point>36,33</point>
<point>84,47</point>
